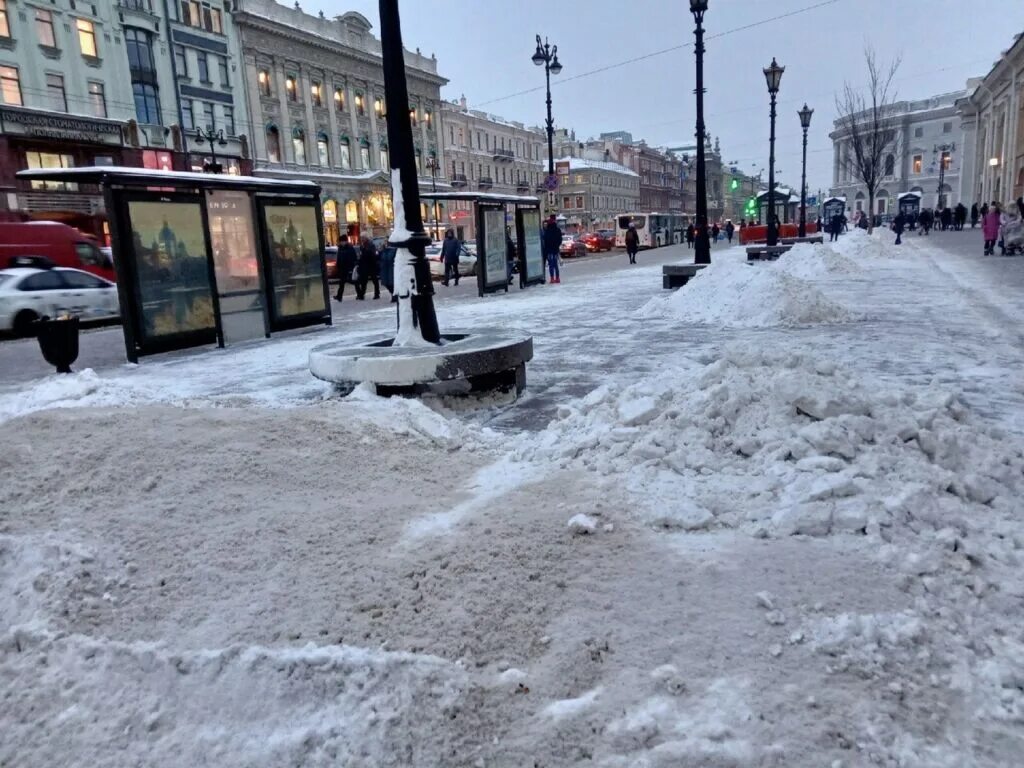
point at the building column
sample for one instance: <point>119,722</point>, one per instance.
<point>304,87</point>
<point>333,135</point>
<point>285,128</point>
<point>255,116</point>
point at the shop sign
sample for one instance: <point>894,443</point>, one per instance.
<point>54,127</point>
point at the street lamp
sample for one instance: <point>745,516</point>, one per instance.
<point>773,76</point>
<point>215,138</point>
<point>805,123</point>
<point>702,252</point>
<point>433,167</point>
<point>940,149</point>
<point>417,321</point>
<point>547,55</point>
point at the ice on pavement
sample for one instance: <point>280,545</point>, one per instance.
<point>805,540</point>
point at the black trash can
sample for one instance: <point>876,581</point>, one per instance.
<point>58,341</point>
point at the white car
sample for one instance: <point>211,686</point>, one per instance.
<point>28,294</point>
<point>467,260</point>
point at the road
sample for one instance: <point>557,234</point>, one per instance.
<point>102,348</point>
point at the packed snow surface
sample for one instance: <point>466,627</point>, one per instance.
<point>789,535</point>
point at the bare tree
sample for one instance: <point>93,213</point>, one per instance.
<point>868,124</point>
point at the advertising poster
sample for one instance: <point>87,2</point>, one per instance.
<point>295,259</point>
<point>532,241</point>
<point>494,245</point>
<point>170,253</point>
<point>235,264</point>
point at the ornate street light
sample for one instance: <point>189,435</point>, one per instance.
<point>773,76</point>
<point>702,252</point>
<point>215,138</point>
<point>805,123</point>
<point>433,167</point>
<point>547,55</point>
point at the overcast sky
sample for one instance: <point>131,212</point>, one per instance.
<point>484,50</point>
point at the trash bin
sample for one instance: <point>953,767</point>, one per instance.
<point>58,341</point>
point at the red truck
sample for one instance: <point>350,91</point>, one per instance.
<point>62,245</point>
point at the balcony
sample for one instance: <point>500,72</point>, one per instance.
<point>459,180</point>
<point>503,155</point>
<point>485,182</point>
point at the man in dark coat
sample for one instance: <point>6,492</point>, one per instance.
<point>729,229</point>
<point>974,215</point>
<point>345,264</point>
<point>714,233</point>
<point>450,256</point>
<point>897,226</point>
<point>835,227</point>
<point>960,214</point>
<point>369,269</point>
<point>552,242</point>
<point>632,242</point>
<point>691,235</point>
<point>947,219</point>
<point>387,270</point>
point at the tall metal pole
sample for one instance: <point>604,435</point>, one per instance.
<point>803,192</point>
<point>702,252</point>
<point>413,283</point>
<point>551,121</point>
<point>773,230</point>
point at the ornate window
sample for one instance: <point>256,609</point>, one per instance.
<point>273,144</point>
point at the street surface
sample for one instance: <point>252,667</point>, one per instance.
<point>101,348</point>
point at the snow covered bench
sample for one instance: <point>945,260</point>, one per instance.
<point>678,275</point>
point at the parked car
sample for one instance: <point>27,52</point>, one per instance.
<point>598,241</point>
<point>27,294</point>
<point>64,246</point>
<point>467,260</point>
<point>572,245</point>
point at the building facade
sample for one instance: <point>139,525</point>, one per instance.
<point>593,192</point>
<point>992,112</point>
<point>926,157</point>
<point>315,93</point>
<point>94,84</point>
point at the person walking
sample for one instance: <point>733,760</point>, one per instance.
<point>714,233</point>
<point>729,229</point>
<point>960,216</point>
<point>947,219</point>
<point>368,268</point>
<point>387,270</point>
<point>346,262</point>
<point>450,257</point>
<point>632,242</point>
<point>990,228</point>
<point>510,254</point>
<point>974,215</point>
<point>927,219</point>
<point>552,242</point>
<point>897,226</point>
<point>835,227</point>
<point>691,235</point>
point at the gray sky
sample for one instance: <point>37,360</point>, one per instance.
<point>484,49</point>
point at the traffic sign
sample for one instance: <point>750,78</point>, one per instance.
<point>551,182</point>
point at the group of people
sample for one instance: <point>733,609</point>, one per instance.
<point>727,231</point>
<point>359,268</point>
<point>996,223</point>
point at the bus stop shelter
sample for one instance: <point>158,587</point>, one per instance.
<point>209,258</point>
<point>490,214</point>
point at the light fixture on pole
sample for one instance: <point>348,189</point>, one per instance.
<point>702,246</point>
<point>216,138</point>
<point>805,123</point>
<point>547,55</point>
<point>773,76</point>
<point>941,150</point>
<point>433,167</point>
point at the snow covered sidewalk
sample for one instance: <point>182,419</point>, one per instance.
<point>772,519</point>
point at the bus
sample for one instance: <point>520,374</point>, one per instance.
<point>654,229</point>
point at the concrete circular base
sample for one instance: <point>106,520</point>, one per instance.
<point>465,361</point>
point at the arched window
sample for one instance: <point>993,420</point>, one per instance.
<point>419,162</point>
<point>273,144</point>
<point>345,158</point>
<point>299,145</point>
<point>364,155</point>
<point>385,161</point>
<point>323,151</point>
<point>890,165</point>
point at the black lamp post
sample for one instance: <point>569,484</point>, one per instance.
<point>548,56</point>
<point>939,149</point>
<point>413,285</point>
<point>702,252</point>
<point>215,138</point>
<point>773,76</point>
<point>805,123</point>
<point>432,166</point>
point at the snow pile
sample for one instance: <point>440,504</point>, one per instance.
<point>815,449</point>
<point>808,261</point>
<point>735,294</point>
<point>857,244</point>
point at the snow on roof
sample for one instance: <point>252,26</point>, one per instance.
<point>580,164</point>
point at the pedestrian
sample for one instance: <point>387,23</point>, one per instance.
<point>974,215</point>
<point>346,262</point>
<point>729,229</point>
<point>632,242</point>
<point>897,226</point>
<point>387,270</point>
<point>960,216</point>
<point>947,219</point>
<point>552,242</point>
<point>990,227</point>
<point>368,267</point>
<point>691,235</point>
<point>714,233</point>
<point>510,254</point>
<point>450,257</point>
<point>835,227</point>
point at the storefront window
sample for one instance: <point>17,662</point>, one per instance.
<point>156,160</point>
<point>35,160</point>
<point>295,259</point>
